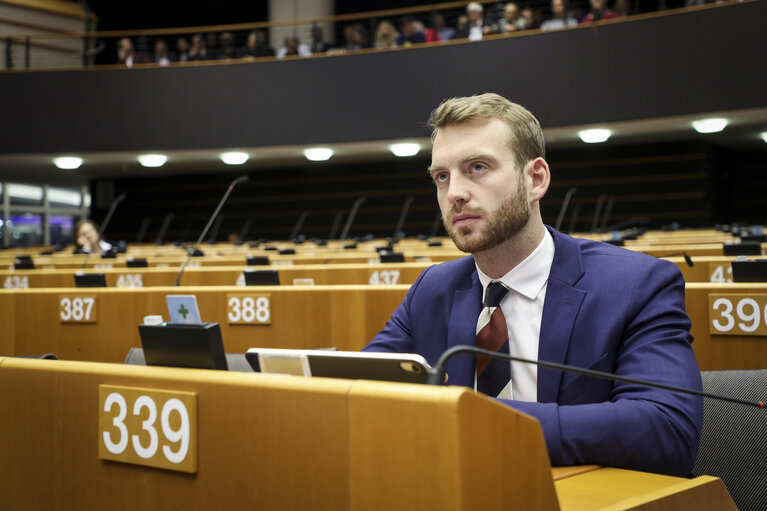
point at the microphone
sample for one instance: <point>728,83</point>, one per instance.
<point>352,214</point>
<point>562,210</point>
<point>163,228</point>
<point>142,230</point>
<point>104,224</point>
<point>435,225</point>
<point>402,216</point>
<point>297,228</point>
<point>597,212</point>
<point>205,231</point>
<point>244,232</point>
<point>214,231</point>
<point>111,211</point>
<point>687,258</point>
<point>334,227</point>
<point>437,374</point>
<point>606,215</point>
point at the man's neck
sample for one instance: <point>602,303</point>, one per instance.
<point>499,260</point>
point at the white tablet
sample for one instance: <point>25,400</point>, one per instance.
<point>399,367</point>
<point>183,310</point>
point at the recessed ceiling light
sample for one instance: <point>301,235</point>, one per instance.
<point>152,160</point>
<point>714,125</point>
<point>318,153</point>
<point>234,157</point>
<point>764,136</point>
<point>68,162</point>
<point>404,149</point>
<point>594,136</point>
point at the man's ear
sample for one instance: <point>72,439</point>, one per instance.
<point>538,178</point>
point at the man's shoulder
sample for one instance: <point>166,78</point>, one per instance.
<point>610,261</point>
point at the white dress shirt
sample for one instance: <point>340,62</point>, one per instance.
<point>523,309</point>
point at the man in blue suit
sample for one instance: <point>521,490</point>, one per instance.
<point>570,301</point>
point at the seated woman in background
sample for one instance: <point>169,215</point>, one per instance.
<point>87,238</point>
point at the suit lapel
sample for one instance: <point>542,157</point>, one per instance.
<point>462,326</point>
<point>560,310</point>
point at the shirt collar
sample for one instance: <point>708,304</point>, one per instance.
<point>529,277</point>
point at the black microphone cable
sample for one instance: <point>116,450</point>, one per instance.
<point>437,374</point>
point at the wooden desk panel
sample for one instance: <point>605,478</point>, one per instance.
<point>346,317</point>
<point>320,274</point>
<point>254,449</point>
<point>719,352</point>
<point>281,442</point>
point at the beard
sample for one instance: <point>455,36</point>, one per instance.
<point>502,224</point>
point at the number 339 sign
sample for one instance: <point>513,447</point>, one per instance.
<point>148,427</point>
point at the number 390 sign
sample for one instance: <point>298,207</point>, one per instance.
<point>148,427</point>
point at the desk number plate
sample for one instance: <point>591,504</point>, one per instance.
<point>155,428</point>
<point>737,314</point>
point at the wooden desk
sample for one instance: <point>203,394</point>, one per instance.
<point>734,350</point>
<point>281,442</point>
<point>346,317</point>
<point>707,268</point>
<point>320,274</point>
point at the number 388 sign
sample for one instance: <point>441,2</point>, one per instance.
<point>148,427</point>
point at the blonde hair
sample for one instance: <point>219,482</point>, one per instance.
<point>526,140</point>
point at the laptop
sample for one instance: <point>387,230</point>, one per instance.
<point>396,367</point>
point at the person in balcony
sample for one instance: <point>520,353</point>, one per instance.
<point>475,28</point>
<point>598,12</point>
<point>88,240</point>
<point>386,35</point>
<point>410,33</point>
<point>256,46</point>
<point>560,17</point>
<point>293,47</point>
<point>512,20</point>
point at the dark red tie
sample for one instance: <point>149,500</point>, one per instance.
<point>493,375</point>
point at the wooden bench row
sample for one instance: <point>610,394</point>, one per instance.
<point>704,269</point>
<point>729,320</point>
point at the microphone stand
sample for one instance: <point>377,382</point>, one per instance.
<point>562,210</point>
<point>205,231</point>
<point>350,219</point>
<point>402,216</point>
<point>437,375</point>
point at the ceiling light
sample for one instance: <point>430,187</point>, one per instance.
<point>594,136</point>
<point>234,158</point>
<point>318,153</point>
<point>764,136</point>
<point>709,125</point>
<point>68,162</point>
<point>405,149</point>
<point>152,160</point>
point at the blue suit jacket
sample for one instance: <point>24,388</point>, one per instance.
<point>606,309</point>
